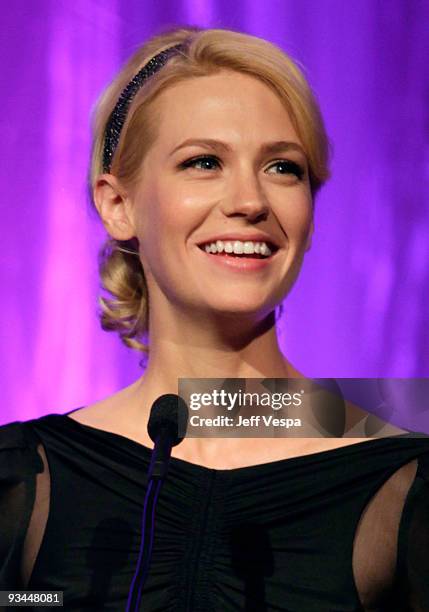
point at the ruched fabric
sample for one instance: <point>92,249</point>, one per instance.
<point>278,536</point>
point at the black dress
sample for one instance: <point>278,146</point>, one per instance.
<point>335,531</point>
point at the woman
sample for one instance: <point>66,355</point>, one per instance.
<point>214,147</point>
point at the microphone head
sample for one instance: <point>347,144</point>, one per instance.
<point>169,413</point>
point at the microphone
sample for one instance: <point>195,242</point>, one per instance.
<point>168,416</point>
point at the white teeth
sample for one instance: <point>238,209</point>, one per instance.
<point>264,249</point>
<point>238,247</point>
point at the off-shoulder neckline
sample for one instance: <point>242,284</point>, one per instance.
<point>292,462</point>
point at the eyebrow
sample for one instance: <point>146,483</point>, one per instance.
<point>269,147</point>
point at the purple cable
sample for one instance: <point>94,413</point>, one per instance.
<point>141,551</point>
<point>152,531</point>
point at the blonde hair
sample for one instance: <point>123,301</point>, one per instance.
<point>206,52</point>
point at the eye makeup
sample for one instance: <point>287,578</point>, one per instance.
<point>290,167</point>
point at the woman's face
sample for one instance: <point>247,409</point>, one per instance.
<point>242,186</point>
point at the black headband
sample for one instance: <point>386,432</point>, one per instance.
<point>119,113</point>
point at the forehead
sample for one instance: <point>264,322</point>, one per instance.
<point>230,105</point>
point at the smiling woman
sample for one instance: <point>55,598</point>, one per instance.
<point>209,152</point>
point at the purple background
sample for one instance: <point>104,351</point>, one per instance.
<point>360,307</point>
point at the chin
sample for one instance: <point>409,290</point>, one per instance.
<point>258,310</point>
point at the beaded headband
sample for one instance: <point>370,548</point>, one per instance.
<point>117,118</point>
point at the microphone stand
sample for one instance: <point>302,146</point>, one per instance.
<point>157,471</point>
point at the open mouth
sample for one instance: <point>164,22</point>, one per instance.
<point>238,249</point>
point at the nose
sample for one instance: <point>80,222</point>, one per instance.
<point>246,197</point>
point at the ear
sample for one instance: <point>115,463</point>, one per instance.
<point>114,207</point>
<point>310,236</point>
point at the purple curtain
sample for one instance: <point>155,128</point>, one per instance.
<point>360,307</point>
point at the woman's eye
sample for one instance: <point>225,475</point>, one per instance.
<point>209,162</point>
<point>289,167</point>
<point>201,163</point>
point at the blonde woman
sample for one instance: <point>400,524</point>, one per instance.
<point>209,151</point>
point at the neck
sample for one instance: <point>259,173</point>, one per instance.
<point>198,346</point>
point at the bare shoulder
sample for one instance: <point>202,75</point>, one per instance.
<point>110,413</point>
<point>122,413</point>
<point>93,414</point>
<point>359,422</point>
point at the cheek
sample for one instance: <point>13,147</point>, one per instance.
<point>166,216</point>
<point>156,211</point>
<point>173,200</point>
<point>179,210</point>
<point>295,218</point>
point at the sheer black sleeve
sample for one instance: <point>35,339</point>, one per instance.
<point>414,541</point>
<point>19,465</point>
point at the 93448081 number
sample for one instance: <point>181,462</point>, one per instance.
<point>31,598</point>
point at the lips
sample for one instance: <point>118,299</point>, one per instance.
<point>239,248</point>
<point>273,248</point>
<point>238,264</point>
<point>270,241</point>
<point>240,255</point>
